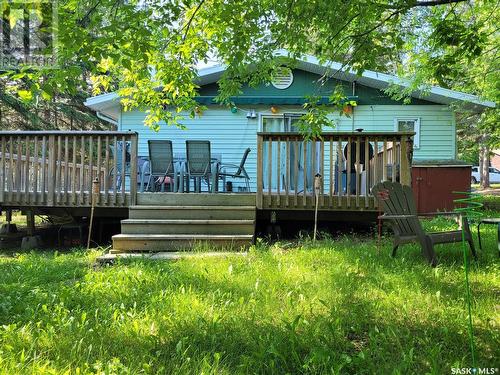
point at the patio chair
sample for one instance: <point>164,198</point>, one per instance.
<point>238,171</point>
<point>161,163</point>
<point>399,207</point>
<point>198,163</point>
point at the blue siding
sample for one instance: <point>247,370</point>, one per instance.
<point>231,133</point>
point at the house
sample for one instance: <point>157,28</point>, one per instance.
<point>276,106</point>
<point>53,172</point>
<point>495,159</point>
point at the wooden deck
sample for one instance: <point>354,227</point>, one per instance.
<point>346,167</point>
<point>70,169</point>
<point>50,172</point>
<point>67,169</point>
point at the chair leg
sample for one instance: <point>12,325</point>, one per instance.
<point>472,248</point>
<point>498,239</point>
<point>429,252</point>
<point>395,247</point>
<point>479,236</point>
<point>149,182</point>
<point>469,238</point>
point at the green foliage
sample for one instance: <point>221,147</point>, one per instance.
<point>316,118</point>
<point>337,306</point>
<point>149,50</point>
<point>457,47</point>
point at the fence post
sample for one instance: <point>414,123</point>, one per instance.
<point>133,168</point>
<point>260,185</point>
<point>51,170</point>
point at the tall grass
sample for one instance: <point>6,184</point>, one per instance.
<point>337,306</point>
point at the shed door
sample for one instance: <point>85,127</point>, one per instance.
<point>419,187</point>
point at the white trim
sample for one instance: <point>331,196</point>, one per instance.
<point>102,116</point>
<point>416,138</point>
<point>98,101</point>
<point>276,115</point>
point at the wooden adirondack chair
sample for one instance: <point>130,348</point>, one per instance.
<point>399,207</point>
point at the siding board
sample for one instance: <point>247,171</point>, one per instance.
<point>231,133</point>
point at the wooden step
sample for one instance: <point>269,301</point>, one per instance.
<point>193,212</point>
<point>196,199</point>
<point>178,242</point>
<point>187,226</point>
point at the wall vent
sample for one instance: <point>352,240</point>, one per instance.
<point>282,79</point>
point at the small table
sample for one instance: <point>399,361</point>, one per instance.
<point>491,220</point>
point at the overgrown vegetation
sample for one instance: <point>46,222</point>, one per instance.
<point>337,306</point>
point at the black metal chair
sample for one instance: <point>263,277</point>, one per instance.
<point>161,163</point>
<point>238,171</point>
<point>198,163</point>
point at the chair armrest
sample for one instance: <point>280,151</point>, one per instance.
<point>226,165</point>
<point>440,214</point>
<point>396,217</point>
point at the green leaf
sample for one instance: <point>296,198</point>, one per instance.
<point>25,95</point>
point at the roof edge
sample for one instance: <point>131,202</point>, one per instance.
<point>212,74</point>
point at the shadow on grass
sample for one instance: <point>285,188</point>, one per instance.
<point>336,306</point>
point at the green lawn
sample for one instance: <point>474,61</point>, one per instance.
<point>337,306</point>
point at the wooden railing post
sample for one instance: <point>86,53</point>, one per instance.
<point>405,166</point>
<point>260,171</point>
<point>2,176</point>
<point>51,170</point>
<point>133,168</point>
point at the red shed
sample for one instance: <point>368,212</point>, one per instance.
<point>434,182</point>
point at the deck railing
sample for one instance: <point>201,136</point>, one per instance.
<point>348,166</point>
<point>57,168</point>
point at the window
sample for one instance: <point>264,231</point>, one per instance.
<point>409,125</point>
<point>279,123</point>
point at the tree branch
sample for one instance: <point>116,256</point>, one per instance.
<point>188,25</point>
<point>432,3</point>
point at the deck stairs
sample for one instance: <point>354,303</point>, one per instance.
<point>186,221</point>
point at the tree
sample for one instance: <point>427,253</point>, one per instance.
<point>149,50</point>
<point>457,47</point>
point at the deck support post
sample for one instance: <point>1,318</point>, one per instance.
<point>30,222</point>
<point>31,241</point>
<point>8,227</point>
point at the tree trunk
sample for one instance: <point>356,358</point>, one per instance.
<point>484,163</point>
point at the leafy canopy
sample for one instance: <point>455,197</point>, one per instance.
<point>149,50</point>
